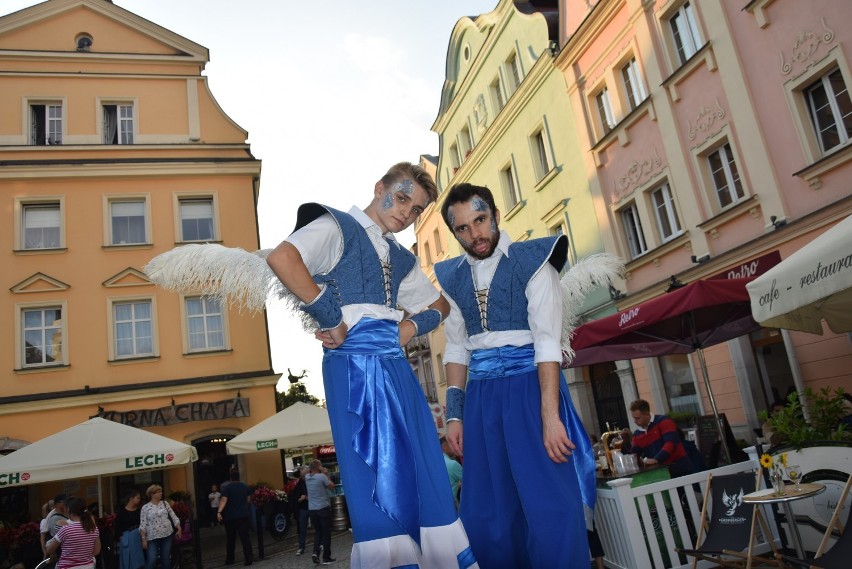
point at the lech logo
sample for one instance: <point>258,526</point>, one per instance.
<point>11,478</point>
<point>261,445</point>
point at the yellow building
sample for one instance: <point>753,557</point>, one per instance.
<point>113,150</point>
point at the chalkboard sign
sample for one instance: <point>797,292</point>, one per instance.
<point>708,441</point>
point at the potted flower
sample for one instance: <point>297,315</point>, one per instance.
<point>263,498</point>
<point>821,445</point>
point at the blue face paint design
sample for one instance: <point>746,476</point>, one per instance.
<point>451,218</point>
<point>387,202</point>
<point>478,204</point>
<point>405,186</point>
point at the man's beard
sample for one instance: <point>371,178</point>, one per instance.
<point>470,248</point>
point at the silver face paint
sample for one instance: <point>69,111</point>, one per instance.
<point>387,202</point>
<point>405,186</point>
<point>478,204</point>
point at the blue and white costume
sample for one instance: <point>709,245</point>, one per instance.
<point>520,509</point>
<point>392,469</point>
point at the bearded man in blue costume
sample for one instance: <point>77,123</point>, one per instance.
<point>352,276</point>
<point>528,464</point>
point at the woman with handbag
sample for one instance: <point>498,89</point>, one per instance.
<point>157,523</point>
<point>79,539</point>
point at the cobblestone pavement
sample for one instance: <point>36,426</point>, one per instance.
<point>278,554</point>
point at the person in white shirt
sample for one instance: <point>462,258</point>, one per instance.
<point>358,283</point>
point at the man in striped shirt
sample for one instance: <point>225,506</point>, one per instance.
<point>657,440</point>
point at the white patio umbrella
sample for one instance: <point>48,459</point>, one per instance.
<point>811,285</point>
<point>299,425</point>
<point>93,448</point>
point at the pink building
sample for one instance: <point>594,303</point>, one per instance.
<point>717,143</point>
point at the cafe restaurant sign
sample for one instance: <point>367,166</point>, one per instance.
<point>180,413</point>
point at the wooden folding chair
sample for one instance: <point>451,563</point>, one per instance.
<point>726,533</point>
<point>840,554</point>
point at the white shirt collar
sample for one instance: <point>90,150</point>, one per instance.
<point>368,224</point>
<point>645,430</point>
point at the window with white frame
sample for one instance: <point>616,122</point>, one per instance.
<point>632,226</point>
<point>540,153</point>
<point>436,238</point>
<point>668,223</point>
<point>633,86</point>
<point>685,35</point>
<point>725,176</point>
<point>127,221</point>
<point>133,328</point>
<point>455,161</point>
<point>513,74</point>
<point>196,219</point>
<point>679,383</point>
<point>605,113</point>
<point>45,123</point>
<point>118,123</point>
<point>497,95</point>
<point>831,110</point>
<point>42,333</point>
<point>511,191</point>
<point>465,143</point>
<point>41,225</point>
<point>205,324</point>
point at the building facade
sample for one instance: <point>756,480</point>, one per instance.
<point>695,139</point>
<point>113,150</point>
<point>505,122</point>
<point>716,144</point>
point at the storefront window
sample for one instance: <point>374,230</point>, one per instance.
<point>679,383</point>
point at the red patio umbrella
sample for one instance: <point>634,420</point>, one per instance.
<point>685,320</point>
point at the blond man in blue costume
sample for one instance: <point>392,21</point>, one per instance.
<point>528,464</point>
<point>352,277</point>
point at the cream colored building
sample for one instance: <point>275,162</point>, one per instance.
<point>112,150</point>
<point>505,122</point>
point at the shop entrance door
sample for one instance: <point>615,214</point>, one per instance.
<point>609,399</point>
<point>212,467</point>
<point>770,355</point>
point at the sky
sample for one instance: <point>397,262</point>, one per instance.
<point>331,93</point>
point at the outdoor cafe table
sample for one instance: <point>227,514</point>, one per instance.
<point>791,494</point>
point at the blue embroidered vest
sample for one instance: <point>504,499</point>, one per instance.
<point>507,291</point>
<point>357,278</point>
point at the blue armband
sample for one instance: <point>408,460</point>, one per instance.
<point>426,321</point>
<point>325,309</point>
<point>455,403</point>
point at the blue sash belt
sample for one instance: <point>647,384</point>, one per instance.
<point>381,440</point>
<point>500,362</point>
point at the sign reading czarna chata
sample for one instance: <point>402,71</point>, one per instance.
<point>181,413</point>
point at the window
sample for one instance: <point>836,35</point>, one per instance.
<point>427,253</point>
<point>454,157</point>
<point>42,330</point>
<point>605,110</point>
<point>633,87</point>
<point>633,230</point>
<point>118,124</point>
<point>196,219</point>
<point>46,124</point>
<point>127,222</point>
<point>726,177</point>
<point>465,143</point>
<point>133,329</point>
<point>831,110</point>
<point>679,384</point>
<point>540,156</point>
<point>41,226</point>
<point>513,74</point>
<point>685,34</point>
<point>664,208</point>
<point>204,324</point>
<point>436,239</point>
<point>497,95</point>
<point>510,187</point>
